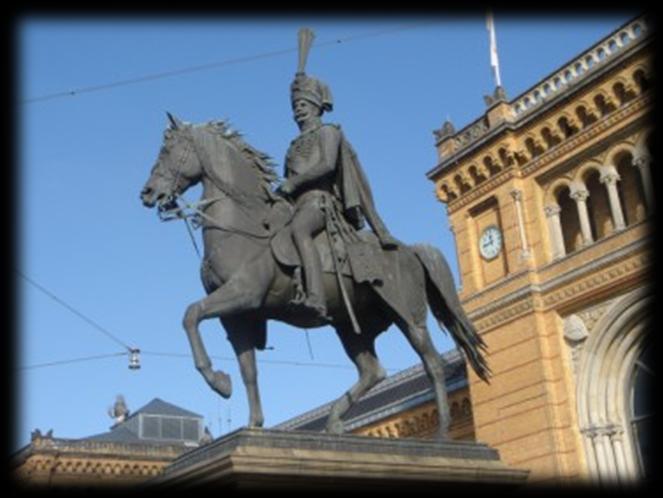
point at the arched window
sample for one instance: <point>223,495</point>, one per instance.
<point>461,184</point>
<point>603,105</point>
<point>642,410</point>
<point>623,95</point>
<point>476,175</point>
<point>641,80</point>
<point>614,376</point>
<point>550,139</point>
<point>568,217</point>
<point>631,191</point>
<point>505,157</point>
<point>447,194</point>
<point>533,147</point>
<point>566,127</point>
<point>598,206</point>
<point>584,117</point>
<point>492,168</point>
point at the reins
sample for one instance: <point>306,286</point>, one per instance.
<point>196,212</point>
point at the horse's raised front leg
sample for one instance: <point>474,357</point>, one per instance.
<point>361,350</point>
<point>243,292</point>
<point>219,381</point>
<point>246,333</point>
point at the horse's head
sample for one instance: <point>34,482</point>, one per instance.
<point>177,168</point>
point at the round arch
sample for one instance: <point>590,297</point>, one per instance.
<point>582,172</point>
<point>551,191</point>
<point>617,150</point>
<point>604,375</point>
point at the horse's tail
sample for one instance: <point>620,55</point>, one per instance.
<point>445,305</point>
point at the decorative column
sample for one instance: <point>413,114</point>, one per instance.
<point>601,443</point>
<point>596,442</point>
<point>475,258</point>
<point>617,440</point>
<point>611,462</point>
<point>458,265</point>
<point>555,229</point>
<point>610,180</point>
<point>591,453</point>
<point>580,196</point>
<point>517,196</point>
<point>643,163</point>
<point>606,433</point>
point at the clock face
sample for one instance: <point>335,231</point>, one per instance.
<point>490,242</point>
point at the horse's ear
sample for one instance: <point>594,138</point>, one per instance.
<point>174,122</point>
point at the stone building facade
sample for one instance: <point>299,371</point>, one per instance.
<point>550,198</point>
<point>134,450</point>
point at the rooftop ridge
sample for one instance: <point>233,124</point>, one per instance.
<point>571,73</point>
<point>450,358</point>
<point>157,406</point>
<point>580,67</point>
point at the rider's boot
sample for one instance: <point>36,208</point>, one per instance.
<point>315,301</point>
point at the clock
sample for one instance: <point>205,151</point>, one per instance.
<point>490,242</point>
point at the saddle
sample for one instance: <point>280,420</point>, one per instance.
<point>358,253</point>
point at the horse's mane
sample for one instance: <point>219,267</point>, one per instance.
<point>262,162</point>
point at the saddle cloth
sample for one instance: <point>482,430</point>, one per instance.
<point>362,260</point>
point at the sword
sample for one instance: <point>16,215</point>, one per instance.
<point>331,230</point>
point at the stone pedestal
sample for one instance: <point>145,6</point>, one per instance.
<point>270,459</point>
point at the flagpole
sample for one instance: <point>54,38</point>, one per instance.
<point>494,61</point>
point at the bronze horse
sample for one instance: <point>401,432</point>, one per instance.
<point>247,285</point>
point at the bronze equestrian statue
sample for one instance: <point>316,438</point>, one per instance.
<point>258,239</point>
<point>318,178</point>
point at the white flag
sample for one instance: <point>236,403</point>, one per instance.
<point>494,61</point>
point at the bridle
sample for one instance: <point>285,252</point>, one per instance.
<point>182,209</point>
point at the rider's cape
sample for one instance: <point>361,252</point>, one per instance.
<point>355,191</point>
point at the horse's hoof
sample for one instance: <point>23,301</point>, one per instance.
<point>335,427</point>
<point>222,384</point>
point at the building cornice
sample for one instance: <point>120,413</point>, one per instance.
<point>477,134</point>
<point>102,449</point>
<point>556,290</point>
<point>551,155</point>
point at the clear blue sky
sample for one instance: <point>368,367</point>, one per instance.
<point>83,159</point>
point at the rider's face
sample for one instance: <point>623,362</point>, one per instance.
<point>304,110</point>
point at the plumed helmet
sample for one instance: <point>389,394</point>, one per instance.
<point>307,87</point>
<point>311,89</point>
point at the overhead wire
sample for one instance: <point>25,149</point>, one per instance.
<point>183,355</point>
<point>161,75</point>
<point>153,353</point>
<point>212,65</point>
<point>273,362</point>
<point>72,360</point>
<point>74,311</point>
